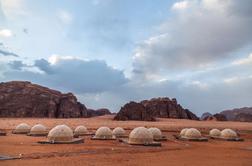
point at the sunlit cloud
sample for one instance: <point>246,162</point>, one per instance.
<point>243,61</point>
<point>6,33</point>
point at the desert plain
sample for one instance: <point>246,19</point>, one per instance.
<point>106,153</point>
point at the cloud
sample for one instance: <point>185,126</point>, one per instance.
<point>17,65</point>
<point>7,53</point>
<point>76,75</point>
<point>44,65</point>
<point>203,34</point>
<point>13,8</point>
<point>98,85</point>
<point>243,61</point>
<point>6,33</point>
<point>180,5</point>
<point>215,98</point>
<point>65,16</point>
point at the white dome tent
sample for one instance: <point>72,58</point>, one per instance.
<point>214,133</point>
<point>22,128</point>
<point>61,134</point>
<point>38,130</point>
<point>191,134</point>
<point>183,131</point>
<point>157,134</point>
<point>141,136</point>
<point>80,131</point>
<point>103,133</point>
<point>119,132</point>
<point>228,134</point>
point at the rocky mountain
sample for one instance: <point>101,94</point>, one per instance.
<point>147,110</point>
<point>98,112</point>
<point>205,115</point>
<point>243,117</point>
<point>216,117</point>
<point>220,117</point>
<point>24,99</point>
<point>134,111</point>
<point>233,115</point>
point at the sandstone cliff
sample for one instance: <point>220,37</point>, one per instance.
<point>147,110</point>
<point>233,115</point>
<point>24,99</point>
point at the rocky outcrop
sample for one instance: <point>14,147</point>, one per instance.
<point>156,107</point>
<point>134,111</point>
<point>205,115</point>
<point>24,99</point>
<point>98,112</point>
<point>220,117</point>
<point>232,115</point>
<point>243,117</point>
<point>216,117</point>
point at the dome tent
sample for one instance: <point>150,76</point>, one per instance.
<point>22,128</point>
<point>191,134</point>
<point>80,131</point>
<point>61,134</point>
<point>38,130</point>
<point>119,132</point>
<point>183,131</point>
<point>228,134</point>
<point>214,133</point>
<point>103,133</point>
<point>141,136</point>
<point>157,134</point>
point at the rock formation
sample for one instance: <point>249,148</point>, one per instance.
<point>157,107</point>
<point>231,114</point>
<point>98,112</point>
<point>24,99</point>
<point>220,117</point>
<point>216,117</point>
<point>243,117</point>
<point>205,115</point>
<point>134,111</point>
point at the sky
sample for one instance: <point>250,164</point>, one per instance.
<point>110,52</point>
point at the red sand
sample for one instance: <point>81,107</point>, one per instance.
<point>172,152</point>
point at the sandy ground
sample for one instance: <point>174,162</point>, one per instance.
<point>172,152</point>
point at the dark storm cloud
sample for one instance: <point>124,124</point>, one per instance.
<point>16,65</point>
<point>75,75</point>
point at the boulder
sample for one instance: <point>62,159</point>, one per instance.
<point>156,107</point>
<point>24,99</point>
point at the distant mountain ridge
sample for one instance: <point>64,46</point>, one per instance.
<point>243,114</point>
<point>238,114</point>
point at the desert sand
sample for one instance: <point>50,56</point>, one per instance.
<point>113,152</point>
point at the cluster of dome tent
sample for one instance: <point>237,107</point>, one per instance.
<point>62,134</point>
<point>194,134</point>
